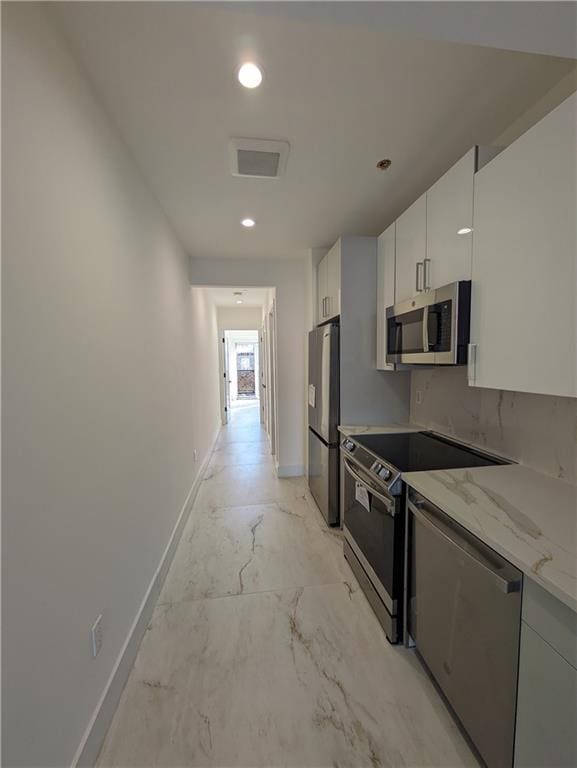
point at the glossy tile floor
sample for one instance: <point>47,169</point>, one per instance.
<point>262,651</point>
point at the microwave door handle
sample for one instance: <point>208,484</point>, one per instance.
<point>425,329</point>
<point>389,505</point>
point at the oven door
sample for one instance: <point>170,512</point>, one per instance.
<point>373,528</point>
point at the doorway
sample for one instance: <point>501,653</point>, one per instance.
<point>240,361</point>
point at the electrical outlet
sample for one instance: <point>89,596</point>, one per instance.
<point>419,397</point>
<point>195,455</point>
<point>96,636</point>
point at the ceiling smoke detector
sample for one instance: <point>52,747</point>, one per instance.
<point>384,165</point>
<point>258,158</point>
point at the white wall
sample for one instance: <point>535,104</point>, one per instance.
<point>239,318</point>
<point>102,408</point>
<point>288,277</point>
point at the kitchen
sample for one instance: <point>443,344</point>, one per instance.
<point>378,567</point>
<point>462,536</point>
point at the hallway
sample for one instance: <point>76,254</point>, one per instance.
<point>261,650</point>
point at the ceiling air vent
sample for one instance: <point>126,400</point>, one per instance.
<point>258,158</point>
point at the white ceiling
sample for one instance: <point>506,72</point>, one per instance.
<point>345,95</point>
<point>224,296</point>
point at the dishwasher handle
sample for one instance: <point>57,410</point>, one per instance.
<point>423,512</point>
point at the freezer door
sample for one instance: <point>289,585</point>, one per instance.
<point>323,390</point>
<point>323,477</point>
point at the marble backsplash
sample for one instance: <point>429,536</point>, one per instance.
<point>539,431</point>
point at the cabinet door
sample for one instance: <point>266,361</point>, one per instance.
<point>546,706</point>
<point>334,280</point>
<point>524,262</point>
<point>322,293</point>
<point>385,292</point>
<point>450,209</point>
<point>411,245</point>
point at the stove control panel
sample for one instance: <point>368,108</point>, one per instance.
<point>382,472</point>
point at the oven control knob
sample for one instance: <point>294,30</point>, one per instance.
<point>384,473</point>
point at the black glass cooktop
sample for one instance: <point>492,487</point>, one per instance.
<point>418,451</point>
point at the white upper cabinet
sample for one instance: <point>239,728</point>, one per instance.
<point>524,312</point>
<point>322,290</point>
<point>334,279</point>
<point>449,210</point>
<point>385,292</point>
<point>329,285</point>
<point>411,250</point>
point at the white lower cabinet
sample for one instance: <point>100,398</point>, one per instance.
<point>524,295</point>
<point>385,292</point>
<point>546,706</point>
<point>546,731</point>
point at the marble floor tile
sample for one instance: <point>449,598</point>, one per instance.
<point>229,486</point>
<point>262,650</point>
<point>301,677</point>
<point>235,453</point>
<point>236,550</point>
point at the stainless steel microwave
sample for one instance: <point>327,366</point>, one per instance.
<point>432,328</point>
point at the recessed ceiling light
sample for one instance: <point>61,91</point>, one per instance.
<point>465,231</point>
<point>249,75</point>
<point>248,223</point>
<point>239,301</point>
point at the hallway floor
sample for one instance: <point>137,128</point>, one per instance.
<point>262,651</point>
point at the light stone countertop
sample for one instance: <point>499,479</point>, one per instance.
<point>390,429</point>
<point>527,517</point>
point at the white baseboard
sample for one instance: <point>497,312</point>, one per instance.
<point>91,743</point>
<point>290,470</point>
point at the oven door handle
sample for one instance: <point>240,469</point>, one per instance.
<point>389,504</point>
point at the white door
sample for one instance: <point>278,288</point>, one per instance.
<point>524,303</point>
<point>449,211</point>
<point>271,384</point>
<point>411,250</point>
<point>261,368</point>
<point>385,292</point>
<point>224,377</point>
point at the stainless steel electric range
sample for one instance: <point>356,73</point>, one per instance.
<point>373,508</point>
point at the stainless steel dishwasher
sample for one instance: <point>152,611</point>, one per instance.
<point>465,618</point>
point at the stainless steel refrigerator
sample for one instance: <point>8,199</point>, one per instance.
<point>323,404</point>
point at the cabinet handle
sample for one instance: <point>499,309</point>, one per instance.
<point>419,273</point>
<point>325,310</point>
<point>471,364</point>
<point>427,274</point>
